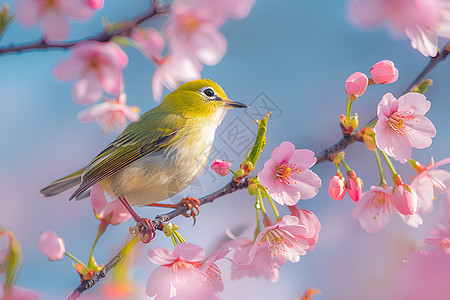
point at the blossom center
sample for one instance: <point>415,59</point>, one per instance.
<point>284,172</point>
<point>189,22</point>
<point>182,264</point>
<point>396,121</point>
<point>278,240</point>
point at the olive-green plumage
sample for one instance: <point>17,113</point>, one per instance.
<point>159,155</point>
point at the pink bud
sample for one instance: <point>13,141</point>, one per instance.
<point>405,199</point>
<point>113,212</point>
<point>354,186</point>
<point>336,187</point>
<point>52,245</point>
<point>95,4</point>
<point>221,167</point>
<point>384,72</point>
<point>356,84</point>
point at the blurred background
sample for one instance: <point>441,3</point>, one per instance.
<point>291,57</point>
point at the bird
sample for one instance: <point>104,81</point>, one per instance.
<point>159,155</point>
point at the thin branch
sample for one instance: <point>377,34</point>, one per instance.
<point>104,36</point>
<point>157,223</point>
<point>345,141</point>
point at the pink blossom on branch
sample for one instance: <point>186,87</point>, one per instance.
<point>184,273</point>
<point>52,245</point>
<point>53,14</point>
<point>192,31</point>
<point>112,213</point>
<point>287,176</point>
<point>402,125</point>
<point>285,240</point>
<point>310,221</point>
<point>150,41</point>
<point>172,70</point>
<point>429,183</point>
<point>221,167</point>
<point>112,114</point>
<point>260,265</point>
<point>97,67</point>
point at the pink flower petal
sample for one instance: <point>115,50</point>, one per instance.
<point>211,45</point>
<point>158,283</point>
<point>307,182</point>
<point>423,131</point>
<point>189,252</point>
<point>68,70</point>
<point>303,159</point>
<point>54,25</point>
<point>87,90</point>
<point>52,245</point>
<point>414,103</point>
<point>283,153</point>
<point>423,39</point>
<point>28,12</point>
<point>161,256</point>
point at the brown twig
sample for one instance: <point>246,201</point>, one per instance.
<point>347,140</point>
<point>157,222</point>
<point>104,36</point>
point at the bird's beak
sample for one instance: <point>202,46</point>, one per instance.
<point>231,103</point>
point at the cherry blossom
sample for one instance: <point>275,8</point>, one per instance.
<point>425,276</point>
<point>336,187</point>
<point>112,213</point>
<point>172,70</point>
<point>356,84</point>
<point>402,125</point>
<point>384,72</point>
<point>53,14</point>
<point>52,245</point>
<point>192,31</point>
<point>112,114</point>
<point>285,240</point>
<point>221,167</point>
<point>98,67</point>
<point>429,183</point>
<point>184,272</point>
<point>287,175</point>
<point>310,221</point>
<point>150,42</point>
<point>260,265</point>
<point>423,21</point>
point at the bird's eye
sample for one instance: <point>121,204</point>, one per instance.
<point>209,92</point>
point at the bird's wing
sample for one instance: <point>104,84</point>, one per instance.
<point>128,147</point>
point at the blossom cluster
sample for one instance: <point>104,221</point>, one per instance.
<point>193,40</point>
<point>423,21</point>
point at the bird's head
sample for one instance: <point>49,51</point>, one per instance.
<point>200,98</point>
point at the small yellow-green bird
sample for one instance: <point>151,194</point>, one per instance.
<point>161,154</point>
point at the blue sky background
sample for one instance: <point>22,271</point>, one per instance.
<point>298,54</point>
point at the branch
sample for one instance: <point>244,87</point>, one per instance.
<point>104,36</point>
<point>157,223</point>
<point>347,140</point>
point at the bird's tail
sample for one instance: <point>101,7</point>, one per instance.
<point>63,184</point>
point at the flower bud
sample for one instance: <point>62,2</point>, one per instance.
<point>221,167</point>
<point>95,4</point>
<point>384,72</point>
<point>336,187</point>
<point>405,199</point>
<point>356,84</point>
<point>52,245</point>
<point>354,185</point>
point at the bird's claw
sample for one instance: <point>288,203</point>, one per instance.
<point>192,205</point>
<point>144,230</point>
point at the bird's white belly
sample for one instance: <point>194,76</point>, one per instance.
<point>161,175</point>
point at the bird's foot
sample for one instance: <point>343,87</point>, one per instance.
<point>144,230</point>
<point>193,207</point>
